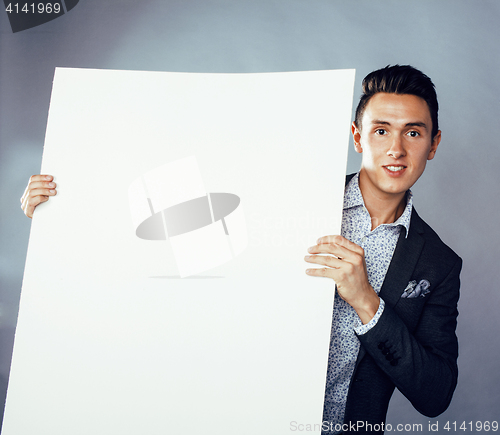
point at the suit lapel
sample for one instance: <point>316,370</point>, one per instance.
<point>403,262</point>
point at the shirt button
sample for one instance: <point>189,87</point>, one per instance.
<point>363,240</point>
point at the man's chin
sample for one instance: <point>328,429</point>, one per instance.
<point>388,185</point>
<point>394,187</point>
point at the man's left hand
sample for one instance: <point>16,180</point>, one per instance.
<point>345,264</point>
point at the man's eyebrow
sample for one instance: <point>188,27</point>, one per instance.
<point>408,124</point>
<point>416,124</point>
<point>378,121</point>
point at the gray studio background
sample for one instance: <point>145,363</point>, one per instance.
<point>455,42</point>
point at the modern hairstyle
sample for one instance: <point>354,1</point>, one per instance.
<point>399,79</point>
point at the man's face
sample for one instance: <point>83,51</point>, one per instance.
<point>396,142</point>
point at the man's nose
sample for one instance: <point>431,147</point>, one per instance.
<point>397,149</point>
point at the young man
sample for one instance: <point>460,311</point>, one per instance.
<point>397,283</point>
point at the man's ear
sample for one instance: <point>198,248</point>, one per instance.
<point>356,135</point>
<point>434,145</point>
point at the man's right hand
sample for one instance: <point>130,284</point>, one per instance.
<point>38,190</point>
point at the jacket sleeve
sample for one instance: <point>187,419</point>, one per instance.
<point>421,360</point>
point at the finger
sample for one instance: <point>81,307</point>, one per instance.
<point>39,188</point>
<point>42,184</point>
<point>41,177</point>
<point>341,253</point>
<point>331,248</point>
<point>324,272</point>
<point>330,239</point>
<point>37,181</point>
<point>42,191</point>
<point>33,201</point>
<point>33,197</point>
<point>324,260</point>
<point>30,204</point>
<point>341,241</point>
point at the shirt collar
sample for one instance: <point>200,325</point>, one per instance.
<point>353,198</point>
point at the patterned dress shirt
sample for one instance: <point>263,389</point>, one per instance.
<point>379,246</point>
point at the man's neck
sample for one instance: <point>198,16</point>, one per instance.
<point>383,208</point>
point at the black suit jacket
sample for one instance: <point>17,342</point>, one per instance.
<point>413,346</point>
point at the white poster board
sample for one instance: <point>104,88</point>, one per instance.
<point>110,338</point>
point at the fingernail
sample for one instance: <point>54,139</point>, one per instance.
<point>52,185</point>
<point>52,191</point>
<point>308,270</point>
<point>310,249</point>
<point>48,177</point>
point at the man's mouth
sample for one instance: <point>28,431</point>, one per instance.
<point>395,171</point>
<point>395,168</point>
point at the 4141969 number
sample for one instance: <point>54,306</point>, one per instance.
<point>33,8</point>
<point>477,426</point>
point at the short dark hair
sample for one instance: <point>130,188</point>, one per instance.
<point>399,79</point>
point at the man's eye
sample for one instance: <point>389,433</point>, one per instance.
<point>413,133</point>
<point>380,131</point>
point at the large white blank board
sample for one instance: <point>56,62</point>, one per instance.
<point>110,340</point>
